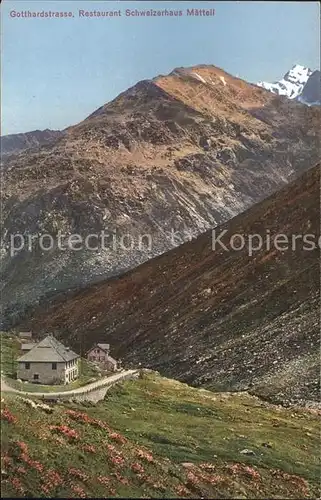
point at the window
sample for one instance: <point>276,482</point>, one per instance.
<point>54,366</point>
<point>36,376</point>
<point>27,366</point>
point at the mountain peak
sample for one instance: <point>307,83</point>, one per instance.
<point>298,74</point>
<point>182,152</point>
<point>292,84</point>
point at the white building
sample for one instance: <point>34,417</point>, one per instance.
<point>48,362</point>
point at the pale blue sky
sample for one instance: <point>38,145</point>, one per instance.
<point>55,72</point>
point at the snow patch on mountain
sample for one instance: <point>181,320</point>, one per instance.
<point>292,84</point>
<point>199,77</point>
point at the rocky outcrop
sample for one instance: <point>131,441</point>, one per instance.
<point>311,93</point>
<point>15,143</point>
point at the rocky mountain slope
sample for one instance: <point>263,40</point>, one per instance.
<point>311,93</point>
<point>176,155</point>
<point>216,318</point>
<point>299,83</point>
<point>14,143</point>
<point>156,438</point>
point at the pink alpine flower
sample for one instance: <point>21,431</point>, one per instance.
<point>136,467</point>
<point>78,474</point>
<point>16,483</point>
<point>78,491</point>
<point>118,437</point>
<point>66,431</point>
<point>145,455</point>
<point>7,415</point>
<point>103,480</point>
<point>89,448</point>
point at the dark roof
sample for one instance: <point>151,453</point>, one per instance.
<point>104,347</point>
<point>49,350</point>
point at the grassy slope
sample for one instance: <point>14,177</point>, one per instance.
<point>10,351</point>
<point>171,423</point>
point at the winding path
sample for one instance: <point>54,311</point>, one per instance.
<point>93,386</point>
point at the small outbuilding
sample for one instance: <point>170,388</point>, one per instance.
<point>99,353</point>
<point>25,336</point>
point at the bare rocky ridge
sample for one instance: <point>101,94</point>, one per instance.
<point>219,319</point>
<point>14,143</point>
<point>183,152</point>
